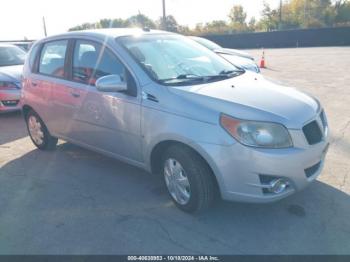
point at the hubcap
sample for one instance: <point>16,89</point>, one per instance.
<point>177,182</point>
<point>35,130</point>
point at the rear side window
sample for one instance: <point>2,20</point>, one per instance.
<point>52,58</point>
<point>92,61</point>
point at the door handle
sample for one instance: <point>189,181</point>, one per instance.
<point>76,95</point>
<point>34,84</point>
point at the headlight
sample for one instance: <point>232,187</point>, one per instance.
<point>257,134</point>
<point>257,69</point>
<point>5,85</point>
<point>252,67</point>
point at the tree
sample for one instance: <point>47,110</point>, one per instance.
<point>217,27</point>
<point>112,23</point>
<point>105,23</point>
<point>199,29</point>
<point>308,13</point>
<point>119,23</point>
<point>238,18</point>
<point>295,14</point>
<point>317,13</point>
<point>292,15</point>
<point>237,15</point>
<point>252,24</point>
<point>342,12</point>
<point>170,24</point>
<point>184,29</point>
<point>269,20</point>
<point>84,26</point>
<point>141,20</point>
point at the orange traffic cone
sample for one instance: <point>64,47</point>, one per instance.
<point>262,61</point>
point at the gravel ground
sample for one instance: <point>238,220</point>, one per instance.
<point>73,201</point>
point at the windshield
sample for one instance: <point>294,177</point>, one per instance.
<point>11,55</point>
<point>207,43</point>
<point>175,59</point>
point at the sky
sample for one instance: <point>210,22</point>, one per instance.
<point>23,18</point>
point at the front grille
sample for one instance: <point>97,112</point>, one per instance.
<point>313,133</point>
<point>10,103</point>
<point>309,172</point>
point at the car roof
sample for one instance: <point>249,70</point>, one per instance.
<point>109,32</point>
<point>7,45</point>
<point>118,32</point>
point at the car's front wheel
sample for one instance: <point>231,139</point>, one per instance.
<point>38,132</point>
<point>188,179</point>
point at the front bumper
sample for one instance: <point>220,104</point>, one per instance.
<point>10,100</point>
<point>239,169</point>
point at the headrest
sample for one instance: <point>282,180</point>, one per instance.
<point>89,59</point>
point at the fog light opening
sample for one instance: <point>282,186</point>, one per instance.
<point>278,186</point>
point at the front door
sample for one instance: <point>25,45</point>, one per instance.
<point>107,121</point>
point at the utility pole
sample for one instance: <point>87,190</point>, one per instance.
<point>304,13</point>
<point>280,18</point>
<point>164,16</point>
<point>44,24</point>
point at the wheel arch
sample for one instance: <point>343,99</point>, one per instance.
<point>160,147</point>
<point>25,110</point>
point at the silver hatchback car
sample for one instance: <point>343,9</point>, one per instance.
<point>164,103</point>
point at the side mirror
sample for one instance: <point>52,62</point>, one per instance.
<point>111,83</point>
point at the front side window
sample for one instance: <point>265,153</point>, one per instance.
<point>92,61</point>
<point>177,60</point>
<point>52,58</point>
<point>11,55</point>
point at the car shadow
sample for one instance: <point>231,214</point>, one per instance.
<point>12,127</point>
<point>341,142</point>
<point>87,199</point>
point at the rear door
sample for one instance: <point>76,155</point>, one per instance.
<point>62,100</point>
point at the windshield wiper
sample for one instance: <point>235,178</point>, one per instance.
<point>186,77</point>
<point>225,74</point>
<point>189,76</point>
<point>231,72</point>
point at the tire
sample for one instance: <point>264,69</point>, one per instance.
<point>38,132</point>
<point>198,193</point>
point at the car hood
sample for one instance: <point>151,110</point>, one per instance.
<point>11,73</point>
<point>242,62</point>
<point>252,97</point>
<point>229,51</point>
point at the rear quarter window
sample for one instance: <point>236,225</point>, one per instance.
<point>32,57</point>
<point>52,58</point>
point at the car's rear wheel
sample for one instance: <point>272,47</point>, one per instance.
<point>38,132</point>
<point>188,179</point>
